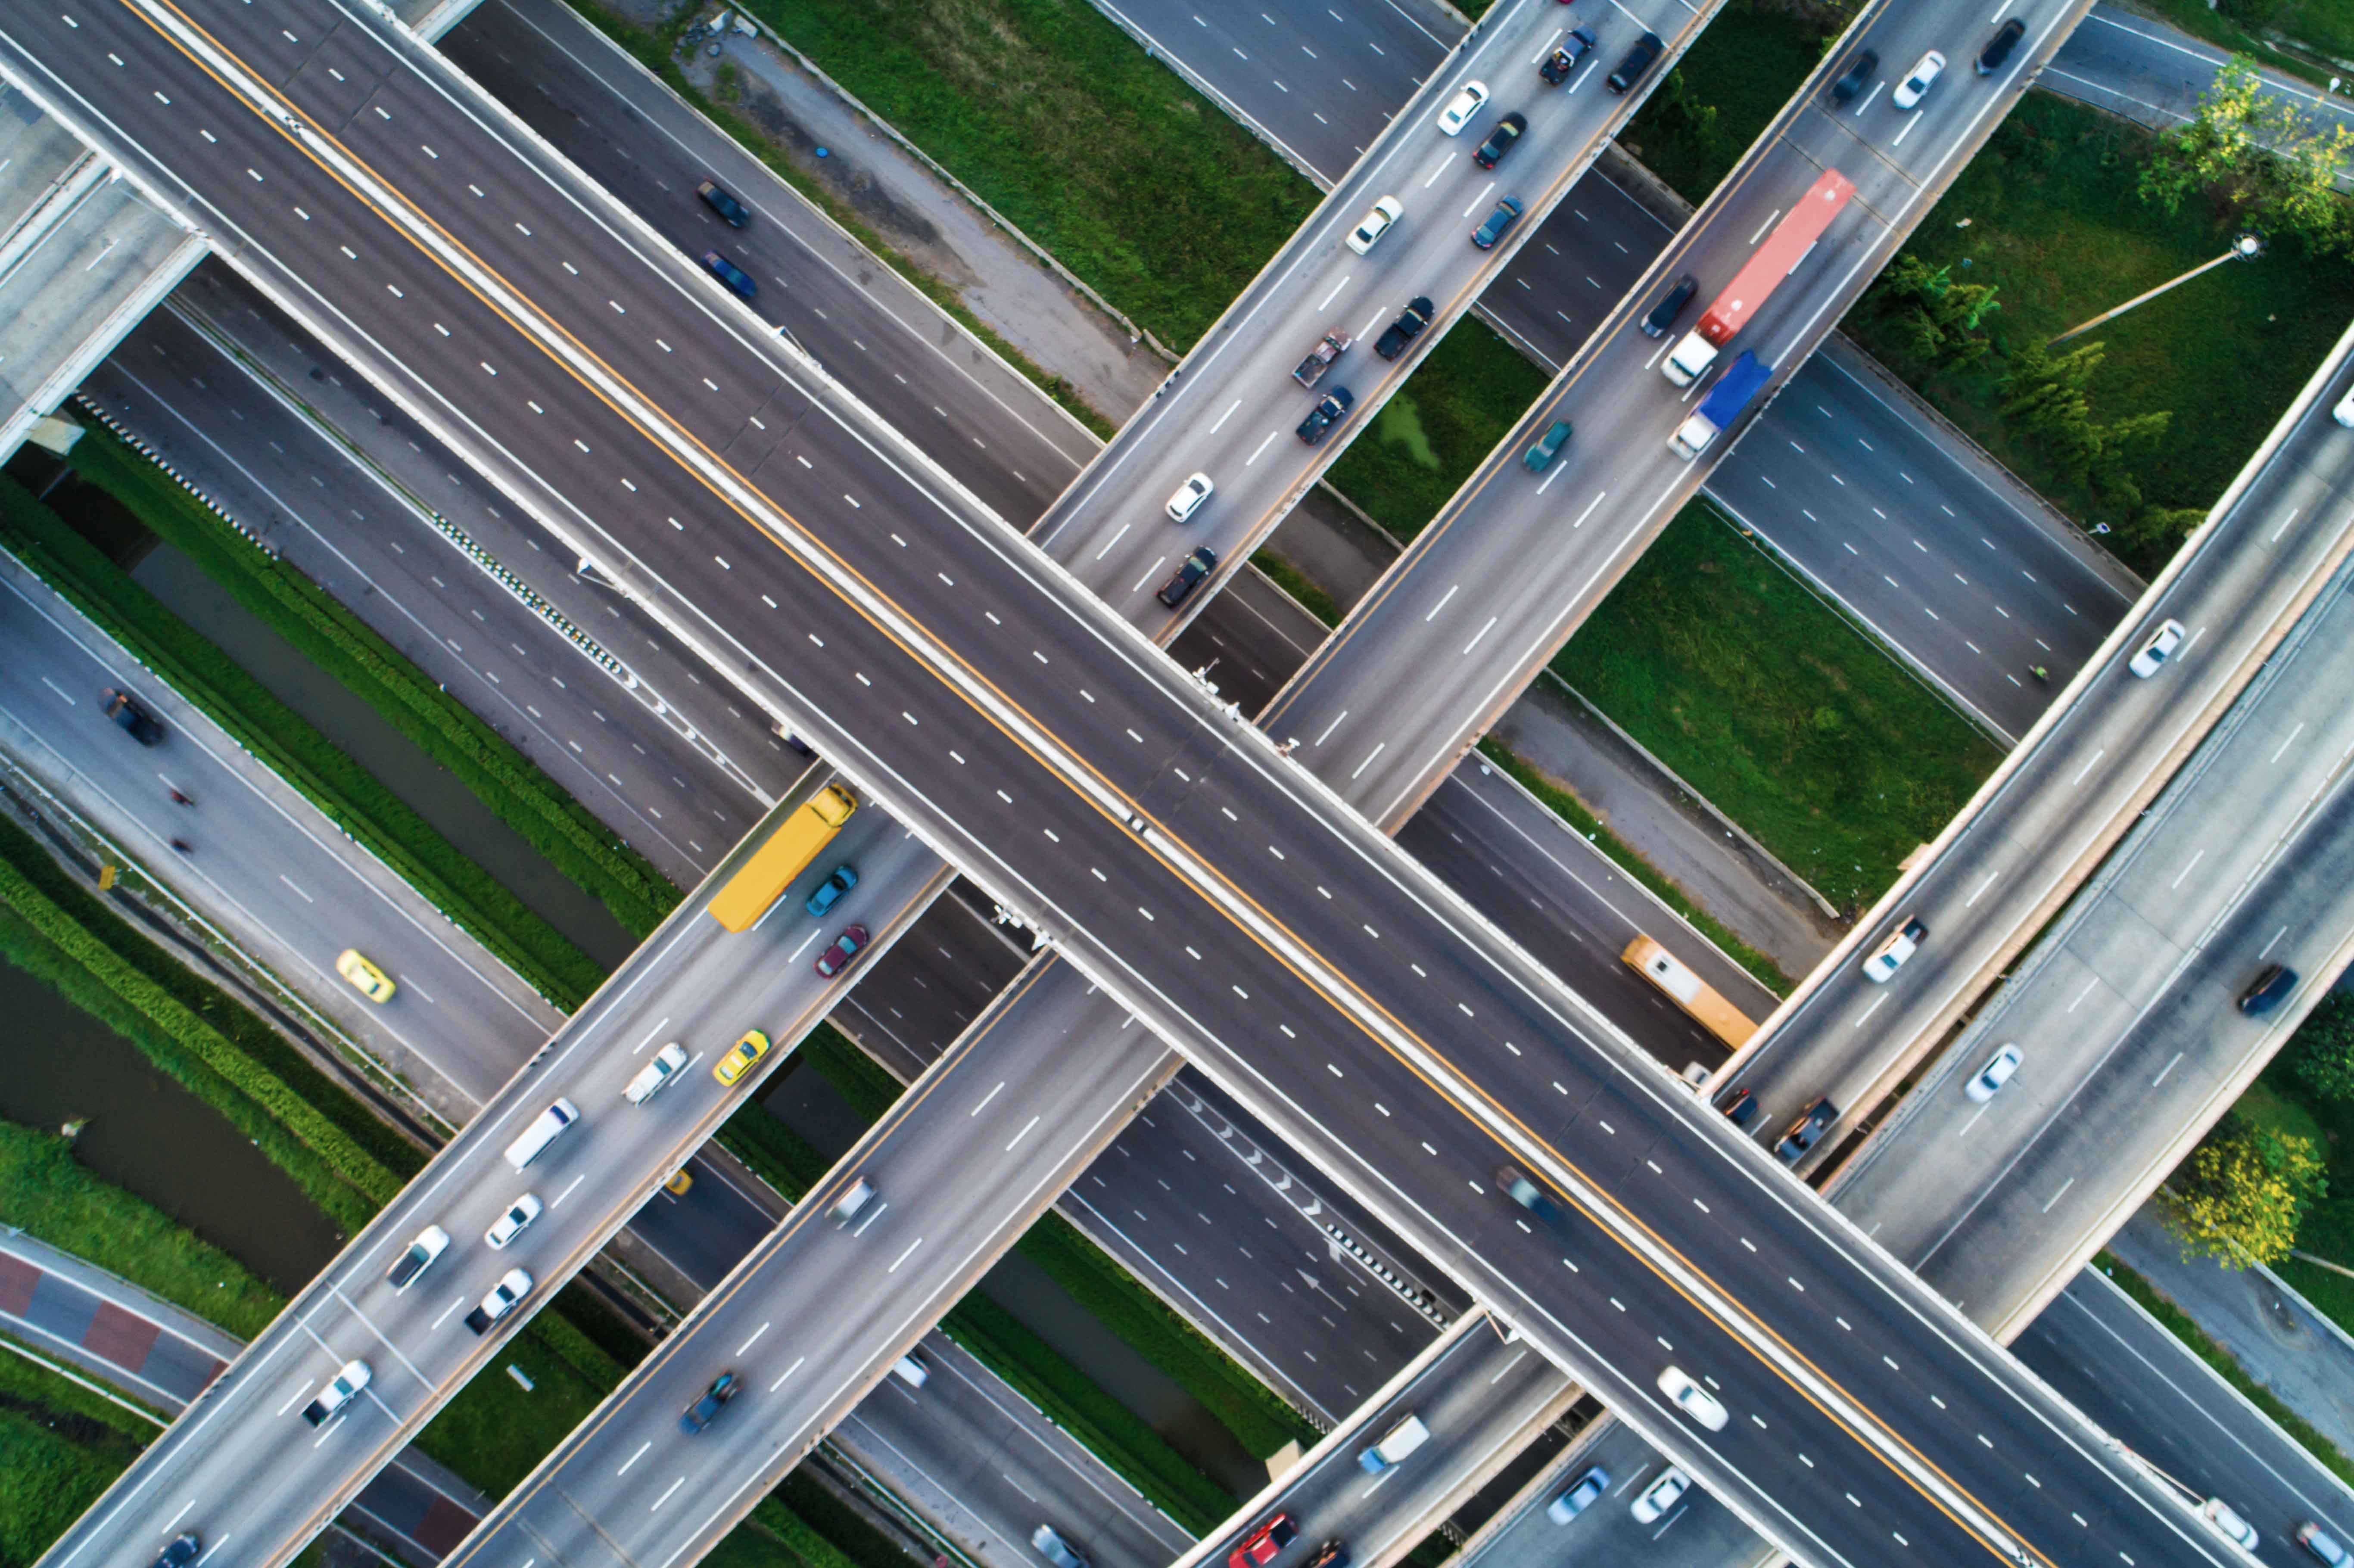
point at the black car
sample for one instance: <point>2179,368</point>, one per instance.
<point>1500,141</point>
<point>1511,1182</point>
<point>703,1411</point>
<point>1806,1132</point>
<point>131,719</point>
<point>1332,1554</point>
<point>1671,306</point>
<point>1500,223</point>
<point>1998,48</point>
<point>2271,989</point>
<point>1639,61</point>
<point>1330,410</point>
<point>726,205</point>
<point>181,1551</point>
<point>730,273</point>
<point>1856,78</point>
<point>1563,61</point>
<point>1196,566</point>
<point>1405,330</point>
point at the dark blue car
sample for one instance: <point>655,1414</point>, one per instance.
<point>730,273</point>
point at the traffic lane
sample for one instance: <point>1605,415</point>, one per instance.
<point>220,304</point>
<point>1894,526</point>
<point>1204,1208</point>
<point>988,1469</point>
<point>1475,1393</point>
<point>2299,915</point>
<point>1231,409</point>
<point>1572,906</point>
<point>1278,69</point>
<point>259,861</point>
<point>976,742</point>
<point>2005,862</point>
<point>1590,251</point>
<point>2107,1358</point>
<point>777,1323</point>
<point>306,499</point>
<point>416,1339</point>
<point>931,987</point>
<point>1249,640</point>
<point>1532,569</point>
<point>1696,1531</point>
<point>2209,856</point>
<point>1008,443</point>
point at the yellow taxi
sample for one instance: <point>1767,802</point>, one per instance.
<point>370,981</point>
<point>740,1057</point>
<point>679,1183</point>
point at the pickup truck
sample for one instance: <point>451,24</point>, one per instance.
<point>1405,329</point>
<point>1320,360</point>
<point>430,1244</point>
<point>512,1288</point>
<point>340,1391</point>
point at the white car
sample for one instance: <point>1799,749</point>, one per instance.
<point>1693,1399</point>
<point>1385,212</point>
<point>1189,497</point>
<point>1656,1499</point>
<point>2225,1521</point>
<point>1915,86</point>
<point>1994,1074</point>
<point>1461,108</point>
<point>668,1063</point>
<point>340,1391</point>
<point>512,1288</point>
<point>2344,412</point>
<point>1881,963</point>
<point>509,1225</point>
<point>2155,652</point>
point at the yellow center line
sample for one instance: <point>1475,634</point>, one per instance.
<point>1075,760</point>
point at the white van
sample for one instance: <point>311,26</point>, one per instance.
<point>912,1369</point>
<point>541,1133</point>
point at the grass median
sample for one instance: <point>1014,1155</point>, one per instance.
<point>1785,714</point>
<point>283,741</point>
<point>339,643</point>
<point>1089,145</point>
<point>2054,223</point>
<point>60,1447</point>
<point>1723,92</point>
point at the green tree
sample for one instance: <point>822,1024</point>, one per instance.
<point>1940,320</point>
<point>2259,156</point>
<point>2321,1051</point>
<point>2240,1195</point>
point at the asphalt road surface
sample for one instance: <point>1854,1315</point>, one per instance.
<point>1232,409</point>
<point>1185,807</point>
<point>1478,1395</point>
<point>1515,562</point>
<point>814,1317</point>
<point>1999,871</point>
<point>2126,1009</point>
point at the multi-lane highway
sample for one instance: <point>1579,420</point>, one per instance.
<point>1466,965</point>
<point>1516,560</point>
<point>2125,1011</point>
<point>2010,862</point>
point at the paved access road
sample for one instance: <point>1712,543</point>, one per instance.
<point>1055,877</point>
<point>2004,867</point>
<point>1516,561</point>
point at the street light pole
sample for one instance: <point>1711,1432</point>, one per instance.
<point>2246,248</point>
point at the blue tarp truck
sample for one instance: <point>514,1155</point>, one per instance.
<point>1723,404</point>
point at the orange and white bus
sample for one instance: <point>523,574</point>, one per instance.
<point>1691,992</point>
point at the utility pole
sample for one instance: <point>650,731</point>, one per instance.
<point>2246,248</point>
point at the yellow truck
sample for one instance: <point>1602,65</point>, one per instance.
<point>788,852</point>
<point>1689,991</point>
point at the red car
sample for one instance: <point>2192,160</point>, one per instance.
<point>1259,1547</point>
<point>846,947</point>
